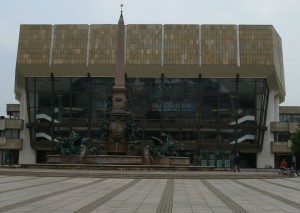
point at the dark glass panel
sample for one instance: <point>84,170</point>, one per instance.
<point>209,95</point>
<point>12,133</point>
<point>282,118</point>
<point>43,133</point>
<point>171,98</point>
<point>30,91</point>
<point>227,96</point>
<point>10,157</point>
<point>282,136</point>
<point>101,85</point>
<point>189,135</point>
<point>79,99</point>
<point>62,105</point>
<point>246,97</point>
<point>79,84</point>
<point>152,98</point>
<point>44,92</point>
<point>189,99</point>
<point>225,136</point>
<point>137,99</point>
<point>296,118</point>
<point>101,89</point>
<point>98,102</point>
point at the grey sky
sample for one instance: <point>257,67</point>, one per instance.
<point>283,15</point>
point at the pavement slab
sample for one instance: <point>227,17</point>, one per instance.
<point>255,192</point>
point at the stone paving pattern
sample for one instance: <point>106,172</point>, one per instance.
<point>25,193</point>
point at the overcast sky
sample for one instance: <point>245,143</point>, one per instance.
<point>284,15</point>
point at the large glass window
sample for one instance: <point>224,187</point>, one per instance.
<point>227,98</point>
<point>281,136</point>
<point>189,99</point>
<point>206,111</point>
<point>12,133</point>
<point>246,97</point>
<point>153,98</point>
<point>209,95</point>
<point>171,98</point>
<point>9,157</point>
<point>80,99</point>
<point>101,89</point>
<point>62,96</point>
<point>289,117</point>
<point>138,99</point>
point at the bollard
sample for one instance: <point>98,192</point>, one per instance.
<point>290,172</point>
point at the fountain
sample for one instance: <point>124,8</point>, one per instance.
<point>119,128</point>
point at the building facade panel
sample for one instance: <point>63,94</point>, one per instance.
<point>208,86</point>
<point>278,57</point>
<point>181,44</point>
<point>143,44</point>
<point>34,44</point>
<point>256,45</point>
<point>69,44</point>
<point>102,44</point>
<point>219,44</point>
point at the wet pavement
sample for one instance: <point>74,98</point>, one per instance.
<point>47,190</point>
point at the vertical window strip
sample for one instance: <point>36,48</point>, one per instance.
<point>200,42</point>
<point>162,44</point>
<point>238,45</point>
<point>88,46</point>
<point>125,45</point>
<point>51,45</point>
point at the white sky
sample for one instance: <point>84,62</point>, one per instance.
<point>284,15</point>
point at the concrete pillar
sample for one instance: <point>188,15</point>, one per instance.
<point>265,158</point>
<point>27,155</point>
<point>276,108</point>
<point>1,157</point>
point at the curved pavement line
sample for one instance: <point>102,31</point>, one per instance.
<point>26,187</point>
<point>93,205</point>
<point>12,181</point>
<point>42,197</point>
<point>269,194</point>
<point>166,201</point>
<point>291,179</point>
<point>231,204</point>
<point>281,185</point>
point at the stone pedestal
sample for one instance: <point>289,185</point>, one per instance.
<point>118,160</point>
<point>116,148</point>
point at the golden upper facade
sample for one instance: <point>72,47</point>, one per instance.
<point>251,51</point>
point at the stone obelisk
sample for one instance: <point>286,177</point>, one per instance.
<point>119,90</point>
<point>116,141</point>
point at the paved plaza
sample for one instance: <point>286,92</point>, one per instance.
<point>56,191</point>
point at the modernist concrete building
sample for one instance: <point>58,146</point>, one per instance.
<point>214,88</point>
<point>289,119</point>
<point>10,141</point>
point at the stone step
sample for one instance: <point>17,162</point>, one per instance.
<point>140,174</point>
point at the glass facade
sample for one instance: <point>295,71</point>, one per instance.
<point>289,118</point>
<point>218,115</point>
<point>9,157</point>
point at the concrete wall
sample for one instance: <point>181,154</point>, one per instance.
<point>27,154</point>
<point>265,158</point>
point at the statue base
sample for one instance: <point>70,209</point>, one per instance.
<point>118,160</point>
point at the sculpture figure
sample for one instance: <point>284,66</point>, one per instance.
<point>77,145</point>
<point>69,145</point>
<point>164,146</point>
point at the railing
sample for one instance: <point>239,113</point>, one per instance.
<point>280,147</point>
<point>11,143</point>
<point>11,124</point>
<point>169,123</point>
<point>279,126</point>
<point>284,127</point>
